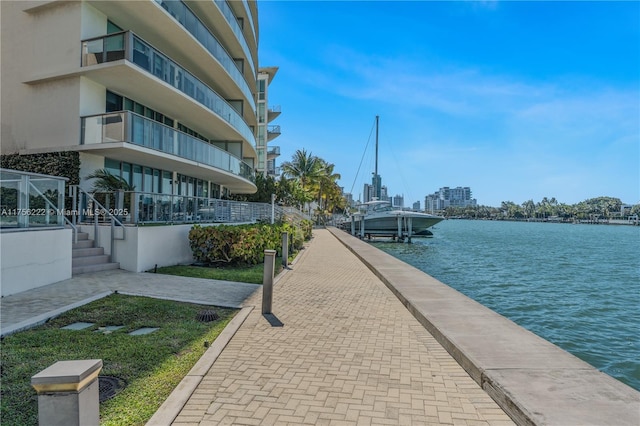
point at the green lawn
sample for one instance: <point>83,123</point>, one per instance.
<point>152,365</point>
<point>249,274</point>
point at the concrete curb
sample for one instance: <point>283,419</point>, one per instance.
<point>532,380</point>
<point>172,406</point>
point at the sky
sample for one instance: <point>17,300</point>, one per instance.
<point>517,100</point>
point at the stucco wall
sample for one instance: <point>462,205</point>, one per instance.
<point>31,259</point>
<point>147,246</point>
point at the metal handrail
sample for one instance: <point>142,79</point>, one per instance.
<point>112,219</point>
<point>52,206</point>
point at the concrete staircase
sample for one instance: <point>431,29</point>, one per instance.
<point>87,258</point>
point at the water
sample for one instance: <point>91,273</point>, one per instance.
<point>577,286</point>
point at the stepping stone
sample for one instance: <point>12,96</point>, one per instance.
<point>109,329</point>
<point>144,330</point>
<point>78,326</point>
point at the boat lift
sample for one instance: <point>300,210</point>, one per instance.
<point>404,230</point>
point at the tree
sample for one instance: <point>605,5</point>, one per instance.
<point>266,186</point>
<point>105,181</point>
<point>304,167</point>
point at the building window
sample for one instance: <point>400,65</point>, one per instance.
<point>114,102</point>
<point>113,28</point>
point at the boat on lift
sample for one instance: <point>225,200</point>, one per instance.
<point>380,218</point>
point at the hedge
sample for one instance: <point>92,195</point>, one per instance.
<point>243,244</point>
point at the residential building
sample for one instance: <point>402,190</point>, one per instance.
<point>161,93</point>
<point>266,163</point>
<point>445,197</point>
<point>349,199</point>
<point>398,201</point>
<point>416,206</point>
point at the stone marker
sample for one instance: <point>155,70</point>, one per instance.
<point>68,393</point>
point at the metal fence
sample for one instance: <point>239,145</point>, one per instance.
<point>135,208</point>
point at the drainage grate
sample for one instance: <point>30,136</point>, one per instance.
<point>207,316</point>
<point>109,386</point>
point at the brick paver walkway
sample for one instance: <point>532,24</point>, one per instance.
<point>348,353</point>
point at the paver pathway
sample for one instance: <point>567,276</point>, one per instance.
<point>348,353</point>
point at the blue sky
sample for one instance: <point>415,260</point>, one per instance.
<point>518,100</point>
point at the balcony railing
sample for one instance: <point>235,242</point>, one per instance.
<point>29,200</point>
<point>192,24</point>
<point>273,151</point>
<point>127,45</point>
<point>127,126</point>
<point>137,208</point>
<point>273,132</point>
<point>232,20</point>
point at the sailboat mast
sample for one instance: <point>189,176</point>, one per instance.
<point>375,182</point>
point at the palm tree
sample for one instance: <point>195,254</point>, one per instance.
<point>327,181</point>
<point>105,181</point>
<point>304,167</point>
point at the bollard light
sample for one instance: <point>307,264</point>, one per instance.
<point>267,280</point>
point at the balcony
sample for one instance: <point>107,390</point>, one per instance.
<point>273,112</point>
<point>127,46</point>
<point>273,132</point>
<point>192,24</point>
<point>127,136</point>
<point>273,152</point>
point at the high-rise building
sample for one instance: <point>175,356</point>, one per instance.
<point>445,197</point>
<point>163,94</point>
<point>160,93</point>
<point>398,201</point>
<point>266,163</point>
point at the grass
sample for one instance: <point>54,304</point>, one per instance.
<point>250,274</point>
<point>152,365</point>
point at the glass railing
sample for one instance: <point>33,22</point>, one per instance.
<point>197,29</point>
<point>146,207</point>
<point>126,45</point>
<point>29,200</point>
<point>247,9</point>
<point>273,150</point>
<point>127,126</point>
<point>233,23</point>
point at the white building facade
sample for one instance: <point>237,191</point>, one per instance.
<point>266,163</point>
<point>160,93</point>
<point>446,197</point>
<point>163,94</point>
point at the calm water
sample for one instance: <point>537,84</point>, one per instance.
<point>577,286</point>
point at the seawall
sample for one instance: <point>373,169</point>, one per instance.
<point>534,381</point>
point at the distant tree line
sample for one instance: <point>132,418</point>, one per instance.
<point>591,209</point>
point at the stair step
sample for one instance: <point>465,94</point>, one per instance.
<point>90,260</point>
<point>82,252</point>
<point>94,268</point>
<point>83,244</point>
<point>83,236</point>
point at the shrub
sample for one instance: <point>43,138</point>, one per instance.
<point>242,244</point>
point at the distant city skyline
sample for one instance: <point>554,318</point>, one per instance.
<point>521,100</point>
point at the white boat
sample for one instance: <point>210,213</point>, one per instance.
<point>380,218</point>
